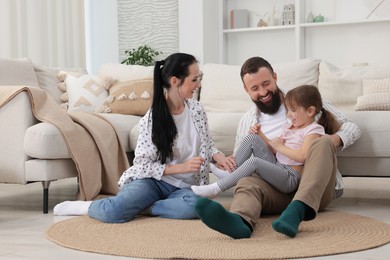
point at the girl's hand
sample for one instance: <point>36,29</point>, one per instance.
<point>276,143</point>
<point>254,129</point>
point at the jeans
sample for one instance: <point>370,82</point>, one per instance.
<point>162,199</point>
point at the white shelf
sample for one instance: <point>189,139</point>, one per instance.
<point>351,22</point>
<point>266,28</point>
<point>302,39</point>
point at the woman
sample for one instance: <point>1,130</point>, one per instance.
<point>174,151</point>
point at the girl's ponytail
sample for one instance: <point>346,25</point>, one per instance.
<point>328,121</point>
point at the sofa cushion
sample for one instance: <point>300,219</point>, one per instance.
<point>223,129</point>
<point>17,72</point>
<point>343,86</point>
<point>122,72</point>
<point>44,140</point>
<point>294,74</point>
<point>222,89</point>
<point>48,80</point>
<point>123,125</point>
<point>374,141</point>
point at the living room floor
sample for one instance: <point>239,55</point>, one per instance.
<point>22,224</point>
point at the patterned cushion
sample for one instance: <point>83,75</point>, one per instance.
<point>83,92</point>
<point>133,97</point>
<point>376,95</point>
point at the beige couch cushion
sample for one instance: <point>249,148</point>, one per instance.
<point>122,72</point>
<point>343,86</point>
<point>44,140</point>
<point>374,141</point>
<point>17,72</point>
<point>223,91</point>
<point>47,79</point>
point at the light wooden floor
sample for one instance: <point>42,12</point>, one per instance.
<point>22,224</point>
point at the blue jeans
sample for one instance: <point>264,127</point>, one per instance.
<point>162,199</point>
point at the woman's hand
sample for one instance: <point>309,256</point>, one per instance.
<point>193,164</point>
<point>225,162</point>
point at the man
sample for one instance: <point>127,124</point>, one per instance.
<point>253,196</point>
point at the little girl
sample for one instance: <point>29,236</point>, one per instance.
<point>279,161</point>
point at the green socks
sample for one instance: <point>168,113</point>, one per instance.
<point>290,219</point>
<point>216,217</point>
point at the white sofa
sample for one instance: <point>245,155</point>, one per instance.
<point>33,151</point>
<point>225,101</point>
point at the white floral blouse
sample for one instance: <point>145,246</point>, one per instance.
<point>146,164</point>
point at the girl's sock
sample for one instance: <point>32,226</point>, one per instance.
<point>208,191</point>
<point>216,217</point>
<point>289,220</point>
<point>218,172</point>
<point>72,208</point>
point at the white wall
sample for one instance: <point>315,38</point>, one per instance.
<point>101,33</point>
<point>191,28</point>
<point>152,22</point>
<point>198,29</point>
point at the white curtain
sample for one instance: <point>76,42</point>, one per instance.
<point>49,32</point>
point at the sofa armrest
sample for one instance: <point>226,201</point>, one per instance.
<point>15,117</point>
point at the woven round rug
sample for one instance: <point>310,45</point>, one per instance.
<point>330,233</point>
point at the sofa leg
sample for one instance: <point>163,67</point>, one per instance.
<point>45,185</point>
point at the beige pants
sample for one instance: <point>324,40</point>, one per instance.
<point>253,196</point>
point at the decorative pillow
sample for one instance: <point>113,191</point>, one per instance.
<point>373,86</point>
<point>133,97</point>
<point>378,101</point>
<point>343,86</point>
<point>376,95</point>
<point>83,92</point>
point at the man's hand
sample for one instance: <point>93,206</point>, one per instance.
<point>336,140</point>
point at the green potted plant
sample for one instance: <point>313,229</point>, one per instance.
<point>144,55</point>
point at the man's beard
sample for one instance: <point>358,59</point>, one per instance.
<point>273,105</point>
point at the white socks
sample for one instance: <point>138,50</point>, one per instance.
<point>218,172</point>
<point>72,208</point>
<point>209,191</point>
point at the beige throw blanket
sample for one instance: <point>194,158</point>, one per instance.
<point>91,140</point>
